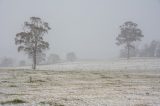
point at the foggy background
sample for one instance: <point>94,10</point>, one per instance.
<point>86,27</point>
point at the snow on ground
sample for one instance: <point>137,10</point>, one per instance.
<point>80,88</point>
<point>118,64</point>
<point>121,82</point>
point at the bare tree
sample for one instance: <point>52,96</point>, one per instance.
<point>31,39</point>
<point>129,34</point>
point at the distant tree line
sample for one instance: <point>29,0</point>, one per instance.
<point>51,59</point>
<point>151,49</point>
<point>55,58</point>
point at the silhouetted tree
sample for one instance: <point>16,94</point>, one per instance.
<point>129,34</point>
<point>71,56</point>
<point>31,39</point>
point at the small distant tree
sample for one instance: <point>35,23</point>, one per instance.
<point>152,48</point>
<point>31,39</point>
<point>22,63</point>
<point>144,52</point>
<point>53,58</point>
<point>6,62</point>
<point>129,34</point>
<point>71,56</point>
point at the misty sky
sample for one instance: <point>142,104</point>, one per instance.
<point>86,27</point>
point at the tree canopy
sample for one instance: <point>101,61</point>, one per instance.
<point>129,33</point>
<point>31,39</point>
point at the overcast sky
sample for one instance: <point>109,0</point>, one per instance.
<point>86,27</point>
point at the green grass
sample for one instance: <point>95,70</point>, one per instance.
<point>12,86</point>
<point>105,76</point>
<point>15,101</point>
<point>51,103</point>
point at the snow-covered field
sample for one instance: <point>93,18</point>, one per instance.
<point>122,64</point>
<point>133,64</point>
<point>134,82</point>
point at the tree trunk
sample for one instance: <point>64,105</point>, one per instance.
<point>35,55</point>
<point>128,52</point>
<point>34,60</point>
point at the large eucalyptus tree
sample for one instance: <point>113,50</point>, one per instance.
<point>31,39</point>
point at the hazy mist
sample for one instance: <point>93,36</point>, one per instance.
<point>86,27</point>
